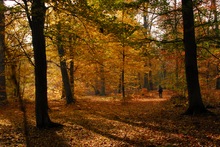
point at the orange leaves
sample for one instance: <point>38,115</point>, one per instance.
<point>102,121</point>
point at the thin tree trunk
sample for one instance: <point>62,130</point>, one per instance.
<point>176,47</point>
<point>214,10</point>
<point>66,82</point>
<point>72,68</point>
<point>123,75</point>
<point>119,84</point>
<point>150,77</point>
<point>195,100</point>
<point>72,81</point>
<point>15,80</point>
<point>123,61</point>
<point>63,67</point>
<point>102,78</point>
<point>72,42</point>
<point>139,80</point>
<point>3,94</point>
<point>217,84</point>
<point>146,81</point>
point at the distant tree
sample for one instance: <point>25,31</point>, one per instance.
<point>63,66</point>
<point>148,83</point>
<point>3,95</point>
<point>196,105</point>
<point>102,78</point>
<point>215,12</point>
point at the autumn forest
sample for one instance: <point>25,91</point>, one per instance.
<point>109,73</point>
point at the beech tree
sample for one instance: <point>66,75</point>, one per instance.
<point>3,95</point>
<point>36,20</point>
<point>38,11</point>
<point>63,66</point>
<point>196,105</point>
<point>215,12</point>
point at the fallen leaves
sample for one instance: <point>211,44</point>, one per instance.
<point>102,122</point>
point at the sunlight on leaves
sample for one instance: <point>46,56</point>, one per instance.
<point>5,122</point>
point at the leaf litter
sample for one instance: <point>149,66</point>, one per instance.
<point>101,122</point>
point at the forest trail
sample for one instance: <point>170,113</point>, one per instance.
<point>102,121</point>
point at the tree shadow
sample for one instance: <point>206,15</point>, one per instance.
<point>167,121</point>
<point>45,137</point>
<point>17,129</point>
<point>104,131</point>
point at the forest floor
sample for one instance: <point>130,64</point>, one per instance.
<point>107,121</point>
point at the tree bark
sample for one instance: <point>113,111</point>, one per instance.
<point>72,68</point>
<point>217,84</point>
<point>214,10</point>
<point>150,76</point>
<point>38,11</point>
<point>194,95</point>
<point>119,84</point>
<point>63,67</point>
<point>102,78</point>
<point>3,94</point>
<point>15,80</point>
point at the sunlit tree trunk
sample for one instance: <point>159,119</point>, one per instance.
<point>3,95</point>
<point>195,100</point>
<point>63,67</point>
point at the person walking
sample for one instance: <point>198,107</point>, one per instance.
<point>160,90</point>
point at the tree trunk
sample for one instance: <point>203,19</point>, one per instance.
<point>15,80</point>
<point>63,67</point>
<point>38,11</point>
<point>195,101</point>
<point>214,10</point>
<point>217,84</point>
<point>72,68</point>
<point>175,31</point>
<point>102,78</point>
<point>123,75</point>
<point>123,61</point>
<point>119,84</point>
<point>145,84</point>
<point>72,81</point>
<point>150,77</point>
<point>3,94</point>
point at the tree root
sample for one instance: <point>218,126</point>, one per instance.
<point>198,112</point>
<point>50,125</point>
